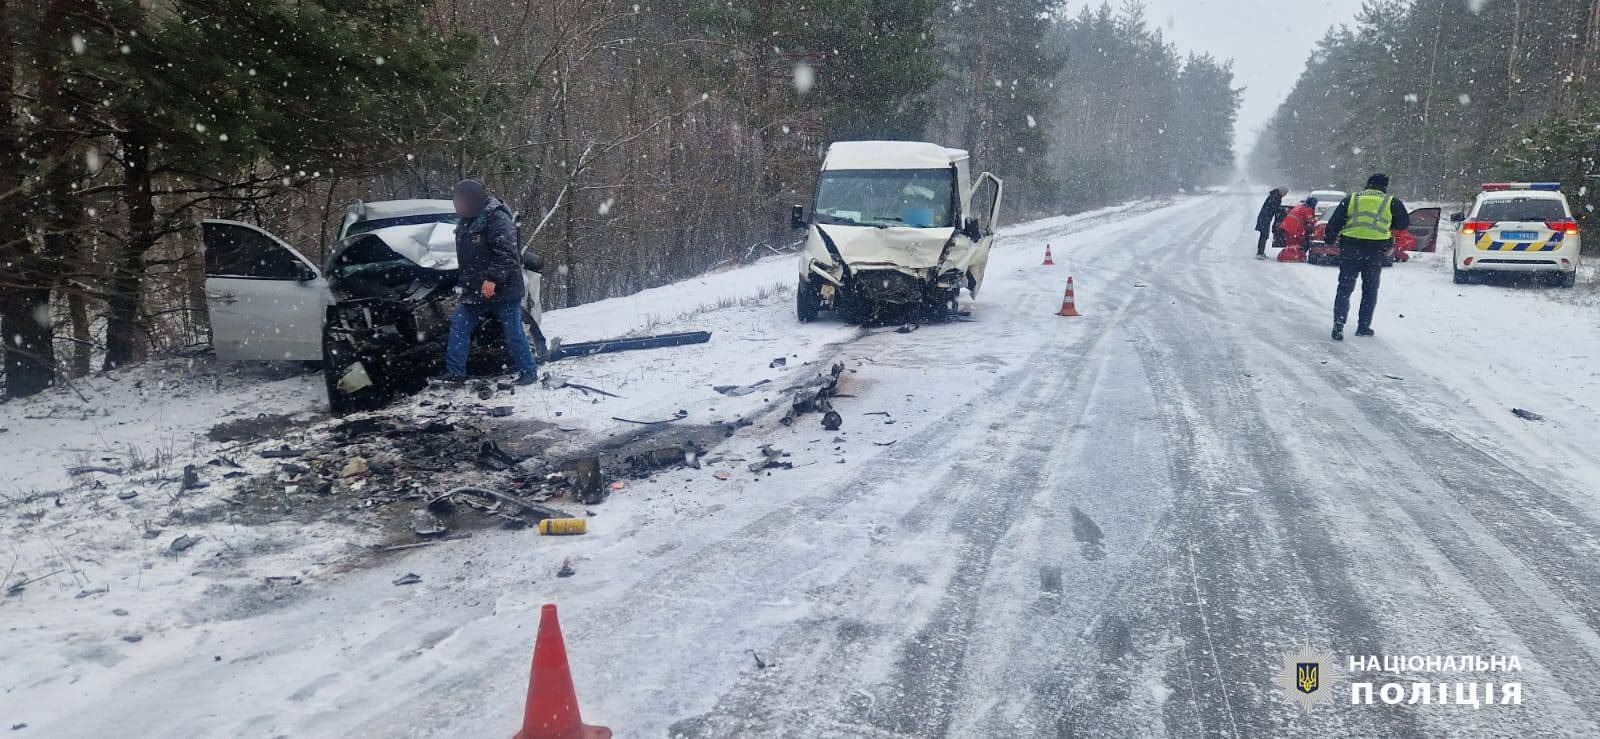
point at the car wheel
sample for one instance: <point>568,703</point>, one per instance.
<point>1567,279</point>
<point>1456,275</point>
<point>807,300</point>
<point>338,404</point>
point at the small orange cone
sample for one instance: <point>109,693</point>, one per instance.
<point>552,711</point>
<point>1048,262</point>
<point>1068,306</point>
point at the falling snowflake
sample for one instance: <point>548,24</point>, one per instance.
<point>804,78</point>
<point>1465,99</point>
<point>605,206</point>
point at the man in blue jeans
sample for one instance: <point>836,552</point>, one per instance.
<point>490,281</point>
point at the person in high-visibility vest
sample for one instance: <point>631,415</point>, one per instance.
<point>1362,226</point>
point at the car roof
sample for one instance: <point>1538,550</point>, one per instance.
<point>890,155</point>
<point>365,211</point>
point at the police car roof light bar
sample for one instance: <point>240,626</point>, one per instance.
<point>1502,186</point>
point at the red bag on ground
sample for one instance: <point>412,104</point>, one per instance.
<point>1292,254</point>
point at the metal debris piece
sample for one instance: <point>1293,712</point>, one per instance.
<point>722,474</point>
<point>410,578</point>
<point>425,524</point>
<point>814,395</point>
<point>191,479</point>
<point>133,638</point>
<point>282,579</point>
<point>500,411</point>
<point>127,495</point>
<point>679,416</point>
<point>283,452</point>
<point>760,664</point>
<point>183,543</point>
<point>559,350</point>
<point>771,457</point>
<point>119,611</point>
<point>75,471</point>
<point>492,457</point>
<point>779,362</point>
<point>739,390</point>
<point>566,569</point>
<point>1526,414</point>
<point>906,329</point>
<point>832,420</point>
<point>102,590</point>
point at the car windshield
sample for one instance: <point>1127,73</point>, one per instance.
<point>360,227</point>
<point>914,198</point>
<point>1521,209</point>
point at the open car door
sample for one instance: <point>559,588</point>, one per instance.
<point>986,203</point>
<point>1425,227</point>
<point>266,300</point>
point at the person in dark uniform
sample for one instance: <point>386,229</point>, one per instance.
<point>490,281</point>
<point>1363,224</point>
<point>1267,218</point>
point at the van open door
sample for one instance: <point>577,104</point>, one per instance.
<point>1425,227</point>
<point>266,300</point>
<point>987,193</point>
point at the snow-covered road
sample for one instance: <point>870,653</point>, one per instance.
<point>1110,525</point>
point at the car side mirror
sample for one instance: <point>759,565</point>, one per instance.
<point>532,262</point>
<point>797,217</point>
<point>305,274</point>
<point>971,229</point>
<point>1457,217</point>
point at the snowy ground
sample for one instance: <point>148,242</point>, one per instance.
<point>1028,525</point>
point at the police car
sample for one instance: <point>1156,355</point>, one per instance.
<point>1518,227</point>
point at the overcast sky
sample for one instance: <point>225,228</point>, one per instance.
<point>1268,41</point>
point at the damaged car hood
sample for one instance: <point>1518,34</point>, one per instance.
<point>400,262</point>
<point>902,248</point>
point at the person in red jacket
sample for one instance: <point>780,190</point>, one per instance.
<point>1297,230</point>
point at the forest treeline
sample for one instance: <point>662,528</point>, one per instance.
<point>1446,94</point>
<point>641,142</point>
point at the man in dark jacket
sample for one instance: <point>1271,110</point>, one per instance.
<point>1363,225</point>
<point>489,279</point>
<point>1267,218</point>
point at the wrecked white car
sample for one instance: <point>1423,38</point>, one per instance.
<point>894,226</point>
<point>376,317</point>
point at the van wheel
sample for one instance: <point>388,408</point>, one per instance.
<point>807,300</point>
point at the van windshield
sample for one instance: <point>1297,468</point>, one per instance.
<point>912,198</point>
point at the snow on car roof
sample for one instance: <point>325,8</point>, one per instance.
<point>401,208</point>
<point>1522,195</point>
<point>890,155</point>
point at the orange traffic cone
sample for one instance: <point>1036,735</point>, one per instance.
<point>552,711</point>
<point>1048,262</point>
<point>1068,305</point>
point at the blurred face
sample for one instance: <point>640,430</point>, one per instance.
<point>466,206</point>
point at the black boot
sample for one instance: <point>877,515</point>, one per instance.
<point>1365,331</point>
<point>1338,332</point>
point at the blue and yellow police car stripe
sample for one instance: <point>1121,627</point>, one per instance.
<point>1487,244</point>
